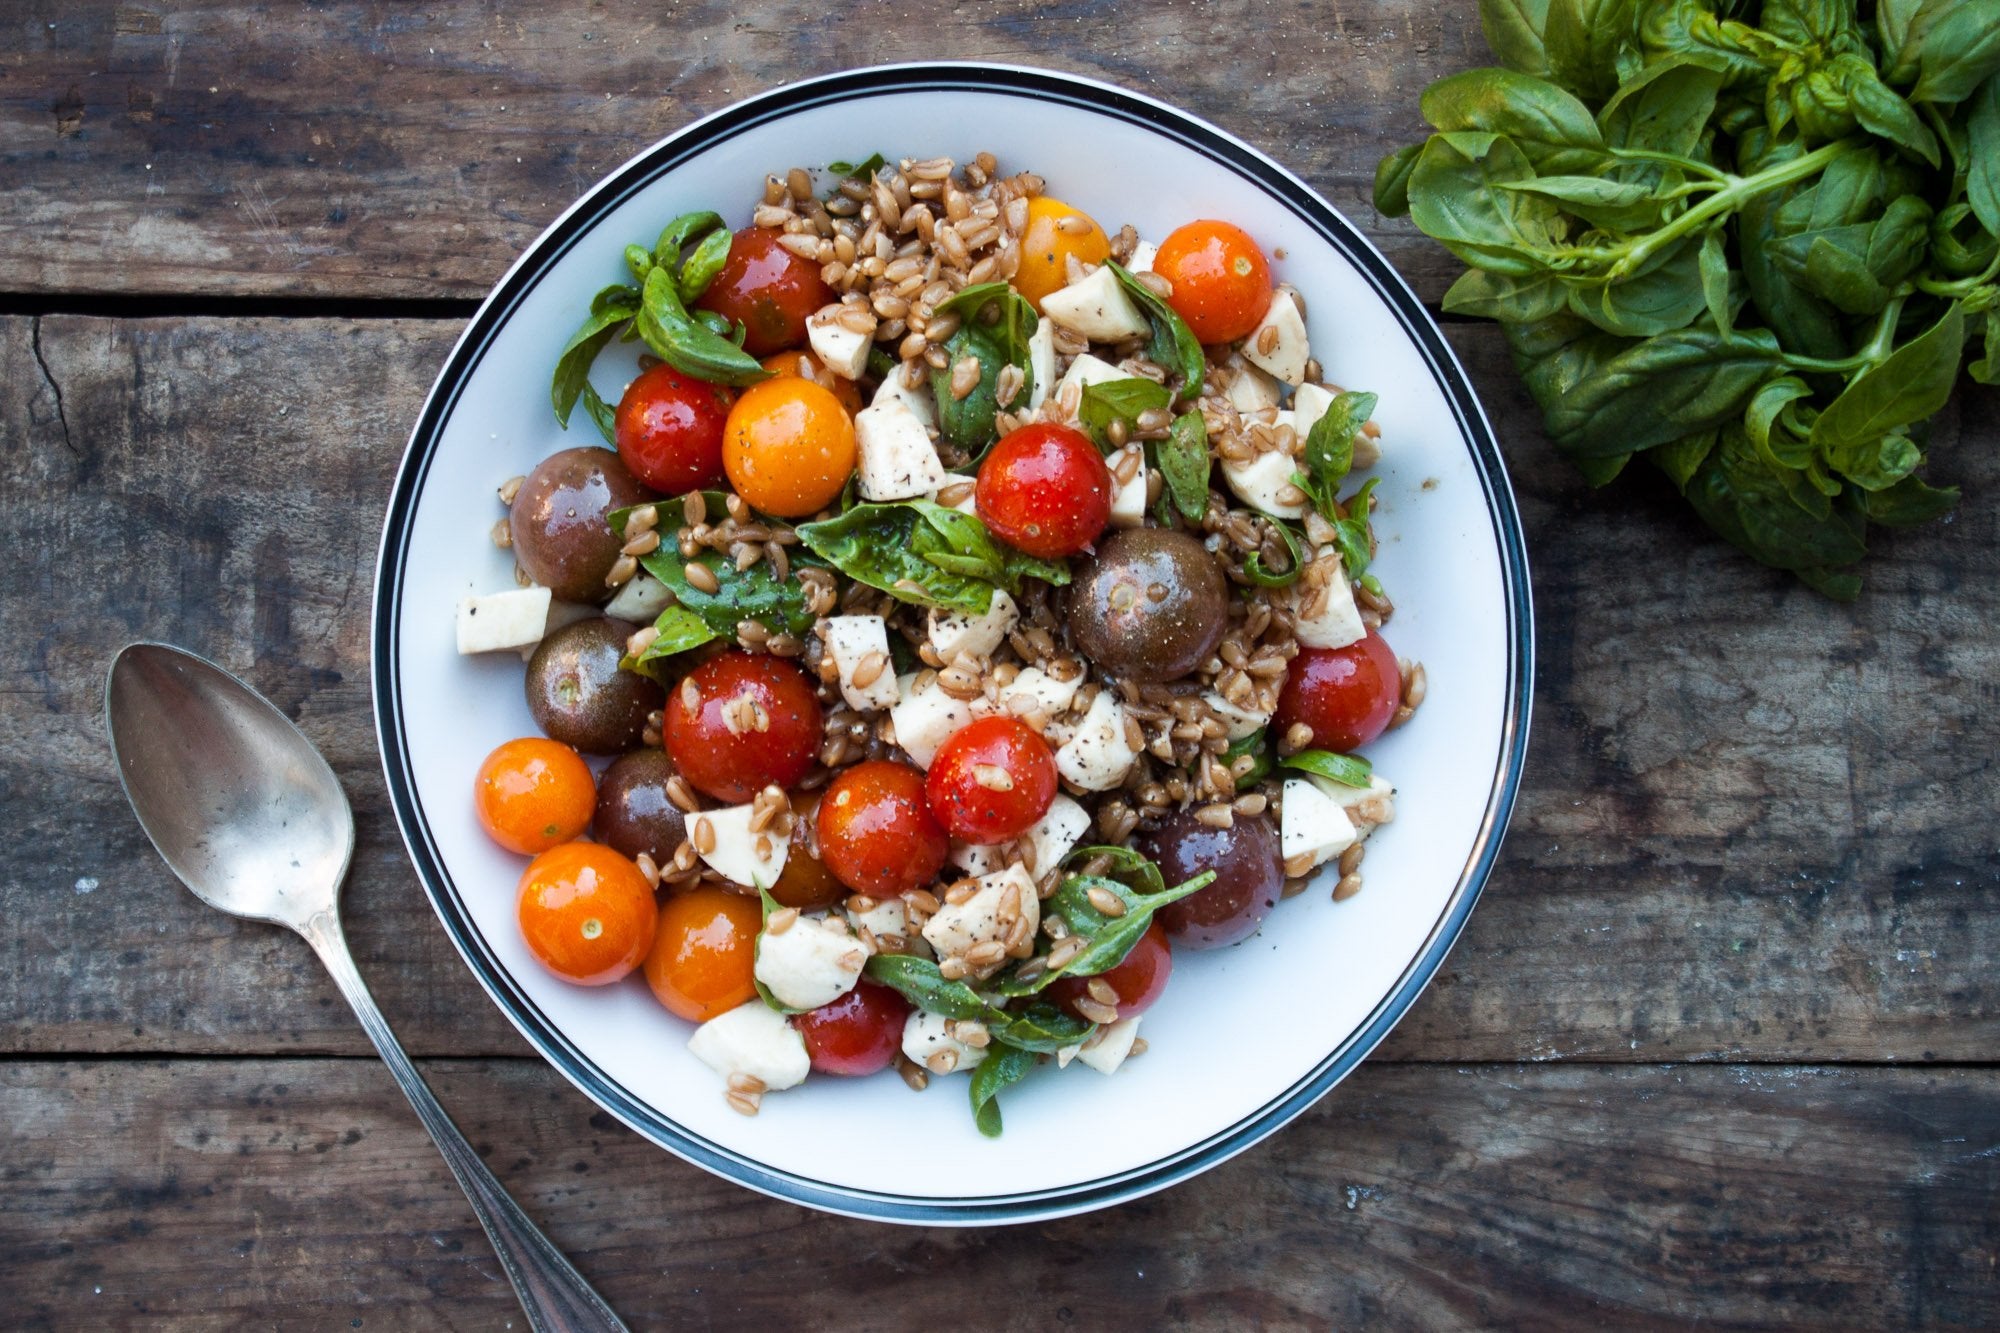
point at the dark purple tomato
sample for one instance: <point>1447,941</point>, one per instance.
<point>1249,873</point>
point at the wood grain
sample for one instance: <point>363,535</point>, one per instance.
<point>1413,1197</point>
<point>355,149</point>
<point>1757,825</point>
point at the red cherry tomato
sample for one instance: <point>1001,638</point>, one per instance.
<point>1138,980</point>
<point>859,1033</point>
<point>1222,284</point>
<point>1045,489</point>
<point>742,721</point>
<point>991,780</point>
<point>1346,695</point>
<point>669,429</point>
<point>876,833</point>
<point>768,288</point>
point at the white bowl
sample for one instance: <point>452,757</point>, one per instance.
<point>1246,1038</point>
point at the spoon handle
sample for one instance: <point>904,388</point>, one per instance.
<point>554,1295</point>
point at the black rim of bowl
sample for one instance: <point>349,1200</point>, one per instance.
<point>1037,85</point>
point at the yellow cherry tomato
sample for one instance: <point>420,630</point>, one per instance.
<point>807,366</point>
<point>788,447</point>
<point>1055,232</point>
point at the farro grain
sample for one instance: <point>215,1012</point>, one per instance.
<point>953,969</point>
<point>1094,1012</point>
<point>1105,901</point>
<point>511,488</point>
<point>622,570</point>
<point>701,578</point>
<point>741,1103</point>
<point>1348,886</point>
<point>1101,991</point>
<point>985,954</point>
<point>1216,816</point>
<point>704,835</point>
<point>647,868</point>
<point>503,534</point>
<point>941,1062</point>
<point>912,1073</point>
<point>1350,860</point>
<point>641,639</point>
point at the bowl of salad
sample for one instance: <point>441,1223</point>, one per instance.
<point>942,604</point>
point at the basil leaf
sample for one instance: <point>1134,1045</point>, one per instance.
<point>1003,1067</point>
<point>1173,344</point>
<point>1665,295</point>
<point>1624,205</point>
<point>1513,29</point>
<point>1715,281</point>
<point>995,325</point>
<point>1118,400</point>
<point>1262,574</point>
<point>1658,390</point>
<point>741,594</point>
<point>1680,458</point>
<point>1184,464</point>
<point>1982,177</point>
<point>1876,465</point>
<point>1986,370</point>
<point>925,554</point>
<point>1883,113</point>
<point>1754,506</point>
<point>1040,1027</point>
<point>1353,536</point>
<point>770,905</point>
<point>873,163</point>
<point>1329,451</point>
<point>1109,938</point>
<point>702,266</point>
<point>610,308</point>
<point>685,343</point>
<point>1909,503</point>
<point>1257,746</point>
<point>1132,867</point>
<point>676,236</point>
<point>639,260</point>
<point>1779,447</point>
<point>1349,770</point>
<point>1392,181</point>
<point>1455,197</point>
<point>602,414</point>
<point>1958,51</point>
<point>1664,110</point>
<point>1520,300</point>
<point>1910,385</point>
<point>1552,129</point>
<point>680,629</point>
<point>919,981</point>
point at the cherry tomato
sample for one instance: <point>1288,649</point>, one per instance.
<point>991,780</point>
<point>876,834</point>
<point>859,1033</point>
<point>669,429</point>
<point>809,367</point>
<point>1138,980</point>
<point>768,289</point>
<point>1249,876</point>
<point>742,721</point>
<point>805,882</point>
<point>1055,232</point>
<point>1222,284</point>
<point>586,913</point>
<point>788,447</point>
<point>1045,489</point>
<point>1346,695</point>
<point>705,952</point>
<point>534,793</point>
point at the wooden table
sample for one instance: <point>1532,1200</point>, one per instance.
<point>1717,1046</point>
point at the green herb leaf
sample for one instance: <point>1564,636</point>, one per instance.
<point>639,260</point>
<point>1456,197</point>
<point>1659,390</point>
<point>919,981</point>
<point>1910,385</point>
<point>1756,507</point>
<point>1392,181</point>
<point>1909,503</point>
<point>1262,574</point>
<point>1173,344</point>
<point>1550,128</point>
<point>1110,937</point>
<point>1520,300</point>
<point>609,309</point>
<point>1663,296</point>
<point>1118,400</point>
<point>1513,29</point>
<point>701,267</point>
<point>1329,451</point>
<point>1256,745</point>
<point>1681,458</point>
<point>1665,109</point>
<point>864,169</point>
<point>1003,1067</point>
<point>922,553</point>
<point>1957,50</point>
<point>1715,281</point>
<point>1353,536</point>
<point>685,343</point>
<point>1349,770</point>
<point>602,414</point>
<point>1982,177</point>
<point>1184,464</point>
<point>680,233</point>
<point>995,325</point>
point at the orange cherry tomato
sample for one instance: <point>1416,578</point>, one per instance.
<point>1055,232</point>
<point>586,912</point>
<point>704,953</point>
<point>534,793</point>
<point>1222,284</point>
<point>789,447</point>
<point>806,366</point>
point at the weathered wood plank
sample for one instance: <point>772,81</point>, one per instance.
<point>1757,825</point>
<point>194,148</point>
<point>216,1192</point>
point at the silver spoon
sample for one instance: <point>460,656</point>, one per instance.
<point>252,819</point>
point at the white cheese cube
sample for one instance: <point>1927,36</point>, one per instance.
<point>753,1039</point>
<point>1109,1051</point>
<point>1097,757</point>
<point>1261,482</point>
<point>1289,353</point>
<point>1087,370</point>
<point>1309,404</point>
<point>1031,694</point>
<point>810,963</point>
<point>1055,834</point>
<point>1128,502</point>
<point>1239,721</point>
<point>1323,611</point>
<point>976,858</point>
<point>925,719</point>
<point>842,350</point>
<point>1366,806</point>
<point>740,856</point>
<point>640,601</point>
<point>919,400</point>
<point>849,641</point>
<point>1041,362</point>
<point>926,1034</point>
<point>887,917</point>
<point>896,458</point>
<point>1315,824</point>
<point>955,632</point>
<point>1143,255</point>
<point>959,926</point>
<point>516,618</point>
<point>1250,389</point>
<point>1097,307</point>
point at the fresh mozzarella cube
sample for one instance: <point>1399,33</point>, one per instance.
<point>1366,806</point>
<point>1087,370</point>
<point>1239,721</point>
<point>1128,502</point>
<point>924,719</point>
<point>978,858</point>
<point>927,1036</point>
<point>1309,404</point>
<point>1109,1051</point>
<point>1097,307</point>
<point>739,855</point>
<point>1065,1054</point>
<point>1143,255</point>
<point>1287,341</point>
<point>1041,362</point>
<point>918,400</point>
<point>1034,693</point>
<point>640,601</point>
<point>988,914</point>
<point>1055,833</point>
<point>852,640</point>
<point>842,350</point>
<point>897,461</point>
<point>1262,483</point>
<point>1250,389</point>
<point>501,620</point>
<point>955,632</point>
<point>1097,757</point>
<point>810,963</point>
<point>887,917</point>
<point>1315,824</point>
<point>1323,611</point>
<point>753,1039</point>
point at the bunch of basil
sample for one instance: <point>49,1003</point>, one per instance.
<point>1755,252</point>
